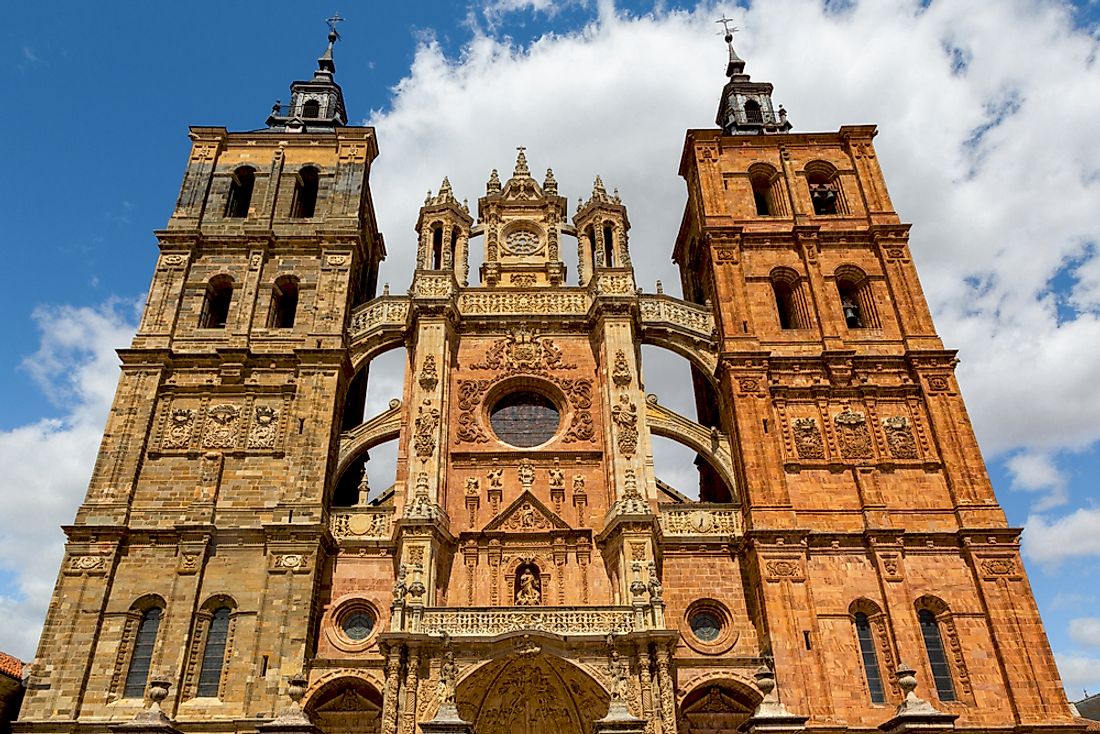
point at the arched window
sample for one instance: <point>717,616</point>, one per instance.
<point>856,298</point>
<point>144,643</point>
<point>592,249</point>
<point>752,112</point>
<point>870,657</point>
<point>608,246</point>
<point>284,303</point>
<point>937,658</point>
<point>311,109</point>
<point>454,245</point>
<point>825,193</point>
<point>790,303</point>
<point>241,184</point>
<point>213,655</point>
<point>215,306</point>
<point>767,190</point>
<point>305,193</point>
<point>437,247</point>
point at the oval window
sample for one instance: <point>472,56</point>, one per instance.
<point>525,419</point>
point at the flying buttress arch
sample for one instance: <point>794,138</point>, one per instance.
<point>712,444</point>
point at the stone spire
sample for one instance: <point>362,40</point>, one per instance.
<point>318,104</point>
<point>493,185</point>
<point>746,106</point>
<point>521,164</point>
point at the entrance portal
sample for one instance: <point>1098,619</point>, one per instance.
<point>531,694</point>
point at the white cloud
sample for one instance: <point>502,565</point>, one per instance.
<point>1073,535</point>
<point>47,463</point>
<point>1079,672</point>
<point>1085,631</point>
<point>989,151</point>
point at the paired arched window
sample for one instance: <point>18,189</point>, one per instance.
<point>284,303</point>
<point>790,301</point>
<point>239,199</point>
<point>937,656</point>
<point>825,194</point>
<point>856,298</point>
<point>215,305</point>
<point>213,654</point>
<point>142,657</point>
<point>305,193</point>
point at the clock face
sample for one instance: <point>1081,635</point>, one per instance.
<point>522,242</point>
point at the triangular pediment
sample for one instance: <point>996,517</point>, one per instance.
<point>349,700</point>
<point>526,515</point>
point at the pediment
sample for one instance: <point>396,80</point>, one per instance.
<point>526,515</point>
<point>348,700</point>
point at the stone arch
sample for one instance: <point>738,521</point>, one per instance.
<point>718,703</point>
<point>362,356</point>
<point>711,444</point>
<point>383,427</point>
<point>531,694</point>
<point>681,327</point>
<point>345,704</point>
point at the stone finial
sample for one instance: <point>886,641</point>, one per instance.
<point>151,720</point>
<point>914,713</point>
<point>521,169</point>
<point>466,205</point>
<point>364,487</point>
<point>550,184</point>
<point>446,195</point>
<point>493,186</point>
<point>598,189</point>
<point>771,715</point>
<point>428,198</point>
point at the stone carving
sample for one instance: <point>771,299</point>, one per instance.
<point>625,416</point>
<point>400,588</point>
<point>528,587</point>
<point>500,620</point>
<point>685,315</point>
<point>522,351</point>
<point>783,569</point>
<point>468,429</point>
<point>522,242</point>
<point>429,373</point>
<point>526,474</point>
<point>891,566</point>
<point>523,302</point>
<point>557,476</point>
<point>289,561</point>
<point>656,588</point>
<point>748,384</point>
<point>495,477</point>
<point>221,426</point>
<point>899,437</point>
<point>614,284</point>
<point>523,280</point>
<point>87,563</point>
<point>181,421</point>
<point>448,675</point>
<point>620,372</point>
<point>807,439</point>
<point>432,285</point>
<point>631,502</point>
<point>998,566</point>
<point>473,486</point>
<point>422,507</point>
<point>581,428</point>
<point>853,436</point>
<point>938,383</point>
<point>425,428</point>
<point>688,521</point>
<point>361,525</point>
<point>265,425</point>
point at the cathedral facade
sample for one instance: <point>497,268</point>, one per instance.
<point>845,566</point>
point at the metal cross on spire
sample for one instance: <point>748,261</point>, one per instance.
<point>729,31</point>
<point>332,23</point>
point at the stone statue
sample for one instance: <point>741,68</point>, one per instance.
<point>557,477</point>
<point>528,593</point>
<point>448,672</point>
<point>399,587</point>
<point>495,477</point>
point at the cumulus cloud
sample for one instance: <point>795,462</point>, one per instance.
<point>1037,472</point>
<point>47,463</point>
<point>1085,631</point>
<point>1072,535</point>
<point>1078,672</point>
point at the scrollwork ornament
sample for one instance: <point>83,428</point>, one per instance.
<point>899,437</point>
<point>807,439</point>
<point>853,436</point>
<point>181,422</point>
<point>264,427</point>
<point>221,426</point>
<point>620,373</point>
<point>429,373</point>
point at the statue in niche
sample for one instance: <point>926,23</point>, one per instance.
<point>528,586</point>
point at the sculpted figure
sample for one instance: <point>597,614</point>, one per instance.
<point>527,592</point>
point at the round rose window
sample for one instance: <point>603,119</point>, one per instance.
<point>522,242</point>
<point>358,626</point>
<point>705,626</point>
<point>524,419</point>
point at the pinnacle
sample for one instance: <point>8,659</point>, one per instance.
<point>493,186</point>
<point>446,194</point>
<point>521,164</point>
<point>598,189</point>
<point>550,184</point>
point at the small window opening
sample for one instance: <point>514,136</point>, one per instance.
<point>305,193</point>
<point>311,109</point>
<point>263,666</point>
<point>437,247</point>
<point>849,302</point>
<point>215,308</point>
<point>937,658</point>
<point>454,245</point>
<point>146,640</point>
<point>213,656</point>
<point>753,113</point>
<point>761,195</point>
<point>608,247</point>
<point>806,639</point>
<point>241,184</point>
<point>870,658</point>
<point>784,304</point>
<point>284,303</point>
<point>592,251</point>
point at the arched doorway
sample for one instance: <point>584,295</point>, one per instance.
<point>531,694</point>
<point>346,706</point>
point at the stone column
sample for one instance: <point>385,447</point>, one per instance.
<point>667,706</point>
<point>391,692</point>
<point>412,682</point>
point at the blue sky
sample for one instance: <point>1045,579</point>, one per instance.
<point>97,142</point>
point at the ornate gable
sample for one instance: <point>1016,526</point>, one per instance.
<point>526,515</point>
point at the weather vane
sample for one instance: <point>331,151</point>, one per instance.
<point>332,23</point>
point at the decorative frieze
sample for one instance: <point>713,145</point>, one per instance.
<point>362,524</point>
<point>807,439</point>
<point>852,435</point>
<point>693,521</point>
<point>557,620</point>
<point>899,437</point>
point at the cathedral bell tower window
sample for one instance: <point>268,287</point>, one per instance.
<point>311,109</point>
<point>937,657</point>
<point>240,193</point>
<point>608,246</point>
<point>305,193</point>
<point>284,303</point>
<point>753,114</point>
<point>870,658</point>
<point>215,307</point>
